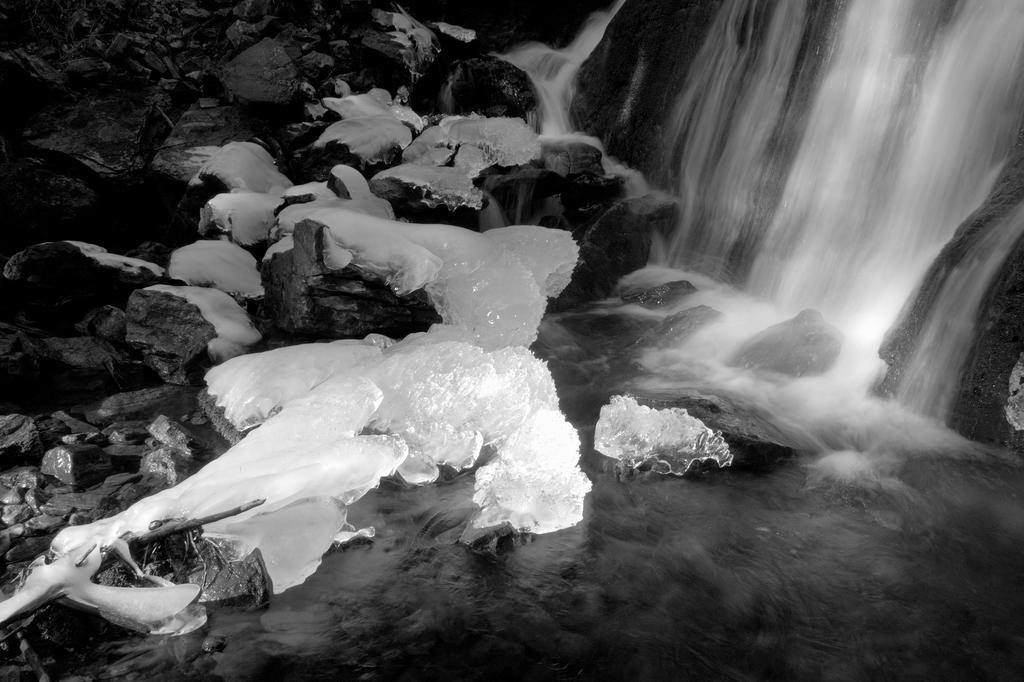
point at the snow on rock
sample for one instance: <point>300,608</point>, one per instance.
<point>302,194</point>
<point>432,148</point>
<point>292,215</point>
<point>246,217</point>
<point>219,264</point>
<point>486,285</point>
<point>128,265</point>
<point>235,331</point>
<point>355,106</point>
<point>669,440</point>
<point>243,166</point>
<point>418,186</point>
<point>348,183</point>
<point>366,141</point>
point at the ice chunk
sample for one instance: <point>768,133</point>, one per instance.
<point>355,106</point>
<point>291,216</point>
<point>219,264</point>
<point>423,186</point>
<point>252,388</point>
<point>235,331</point>
<point>310,191</point>
<point>483,284</point>
<point>669,439</point>
<point>535,484</point>
<point>349,183</point>
<point>503,141</point>
<point>244,166</point>
<point>431,148</point>
<point>372,139</point>
<point>113,260</point>
<point>246,217</point>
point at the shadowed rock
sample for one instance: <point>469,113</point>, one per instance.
<point>803,346</point>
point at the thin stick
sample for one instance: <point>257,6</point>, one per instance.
<point>172,527</point>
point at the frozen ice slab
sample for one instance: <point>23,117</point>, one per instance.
<point>235,331</point>
<point>245,217</point>
<point>493,286</point>
<point>670,439</point>
<point>292,215</point>
<point>246,167</point>
<point>219,264</point>
<point>504,141</point>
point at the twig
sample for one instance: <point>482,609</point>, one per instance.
<point>32,658</point>
<point>179,526</point>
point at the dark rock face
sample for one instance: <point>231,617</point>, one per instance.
<point>986,406</point>
<point>627,88</point>
<point>617,243</point>
<point>571,157</point>
<point>41,203</point>
<point>659,296</point>
<point>306,296</point>
<point>487,86</point>
<point>803,346</point>
<point>171,333</point>
<point>677,328</point>
<point>27,83</point>
<point>262,74</point>
<point>19,438</point>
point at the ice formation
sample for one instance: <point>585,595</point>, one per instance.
<point>235,331</point>
<point>327,421</point>
<point>113,260</point>
<point>670,439</point>
<point>292,215</point>
<point>246,217</point>
<point>219,264</point>
<point>370,138</point>
<point>503,141</point>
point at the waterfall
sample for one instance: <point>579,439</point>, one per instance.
<point>912,118</point>
<point>553,71</point>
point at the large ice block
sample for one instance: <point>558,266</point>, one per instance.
<point>669,440</point>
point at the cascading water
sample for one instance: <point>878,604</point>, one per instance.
<point>914,115</point>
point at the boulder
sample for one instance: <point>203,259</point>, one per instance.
<point>805,345</point>
<point>27,83</point>
<point>662,295</point>
<point>306,294</point>
<point>675,329</point>
<point>487,86</point>
<point>571,157</point>
<point>142,403</point>
<point>615,244</point>
<point>78,465</point>
<point>171,334</point>
<point>401,42</point>
<point>262,74</point>
<point>19,439</point>
<point>112,134</point>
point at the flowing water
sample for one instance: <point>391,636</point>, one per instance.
<point>889,548</point>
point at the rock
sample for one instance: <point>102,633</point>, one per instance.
<point>521,186</point>
<point>64,504</point>
<point>41,203</point>
<point>571,157</point>
<point>82,352</point>
<point>262,74</point>
<point>245,217</point>
<point>106,322</point>
<point>365,143</point>
<point>22,478</point>
<point>15,513</point>
<point>125,458</point>
<point>678,327</point>
<point>306,295</point>
<point>487,86</point>
<point>615,244</point>
<point>241,583</point>
<point>28,549</point>
<point>44,524</point>
<point>501,141</point>
<point>805,345</point>
<point>131,432</point>
<point>27,83</point>
<point>588,195</point>
<point>153,252</point>
<point>251,10</point>
<point>659,296</point>
<point>755,441</point>
<point>112,134</point>
<point>404,43</point>
<point>77,465</point>
<point>18,363</point>
<point>173,435</point>
<point>316,66</point>
<point>198,133</point>
<point>413,188</point>
<point>19,438</point>
<point>168,466</point>
<point>171,333</point>
<point>142,403</point>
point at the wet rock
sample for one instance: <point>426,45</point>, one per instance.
<point>316,66</point>
<point>805,345</point>
<point>22,478</point>
<point>403,42</point>
<point>585,195</point>
<point>28,549</point>
<point>754,439</point>
<point>487,86</point>
<point>174,435</point>
<point>678,327</point>
<point>306,295</point>
<point>168,466</point>
<point>615,244</point>
<point>132,432</point>
<point>365,143</point>
<point>77,465</point>
<point>241,583</point>
<point>171,334</point>
<point>19,439</point>
<point>63,505</point>
<point>112,134</point>
<point>662,295</point>
<point>82,352</point>
<point>44,524</point>
<point>152,252</point>
<point>27,83</point>
<point>413,188</point>
<point>106,322</point>
<point>262,74</point>
<point>142,403</point>
<point>74,425</point>
<point>431,148</point>
<point>198,133</point>
<point>125,458</point>
<point>571,157</point>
